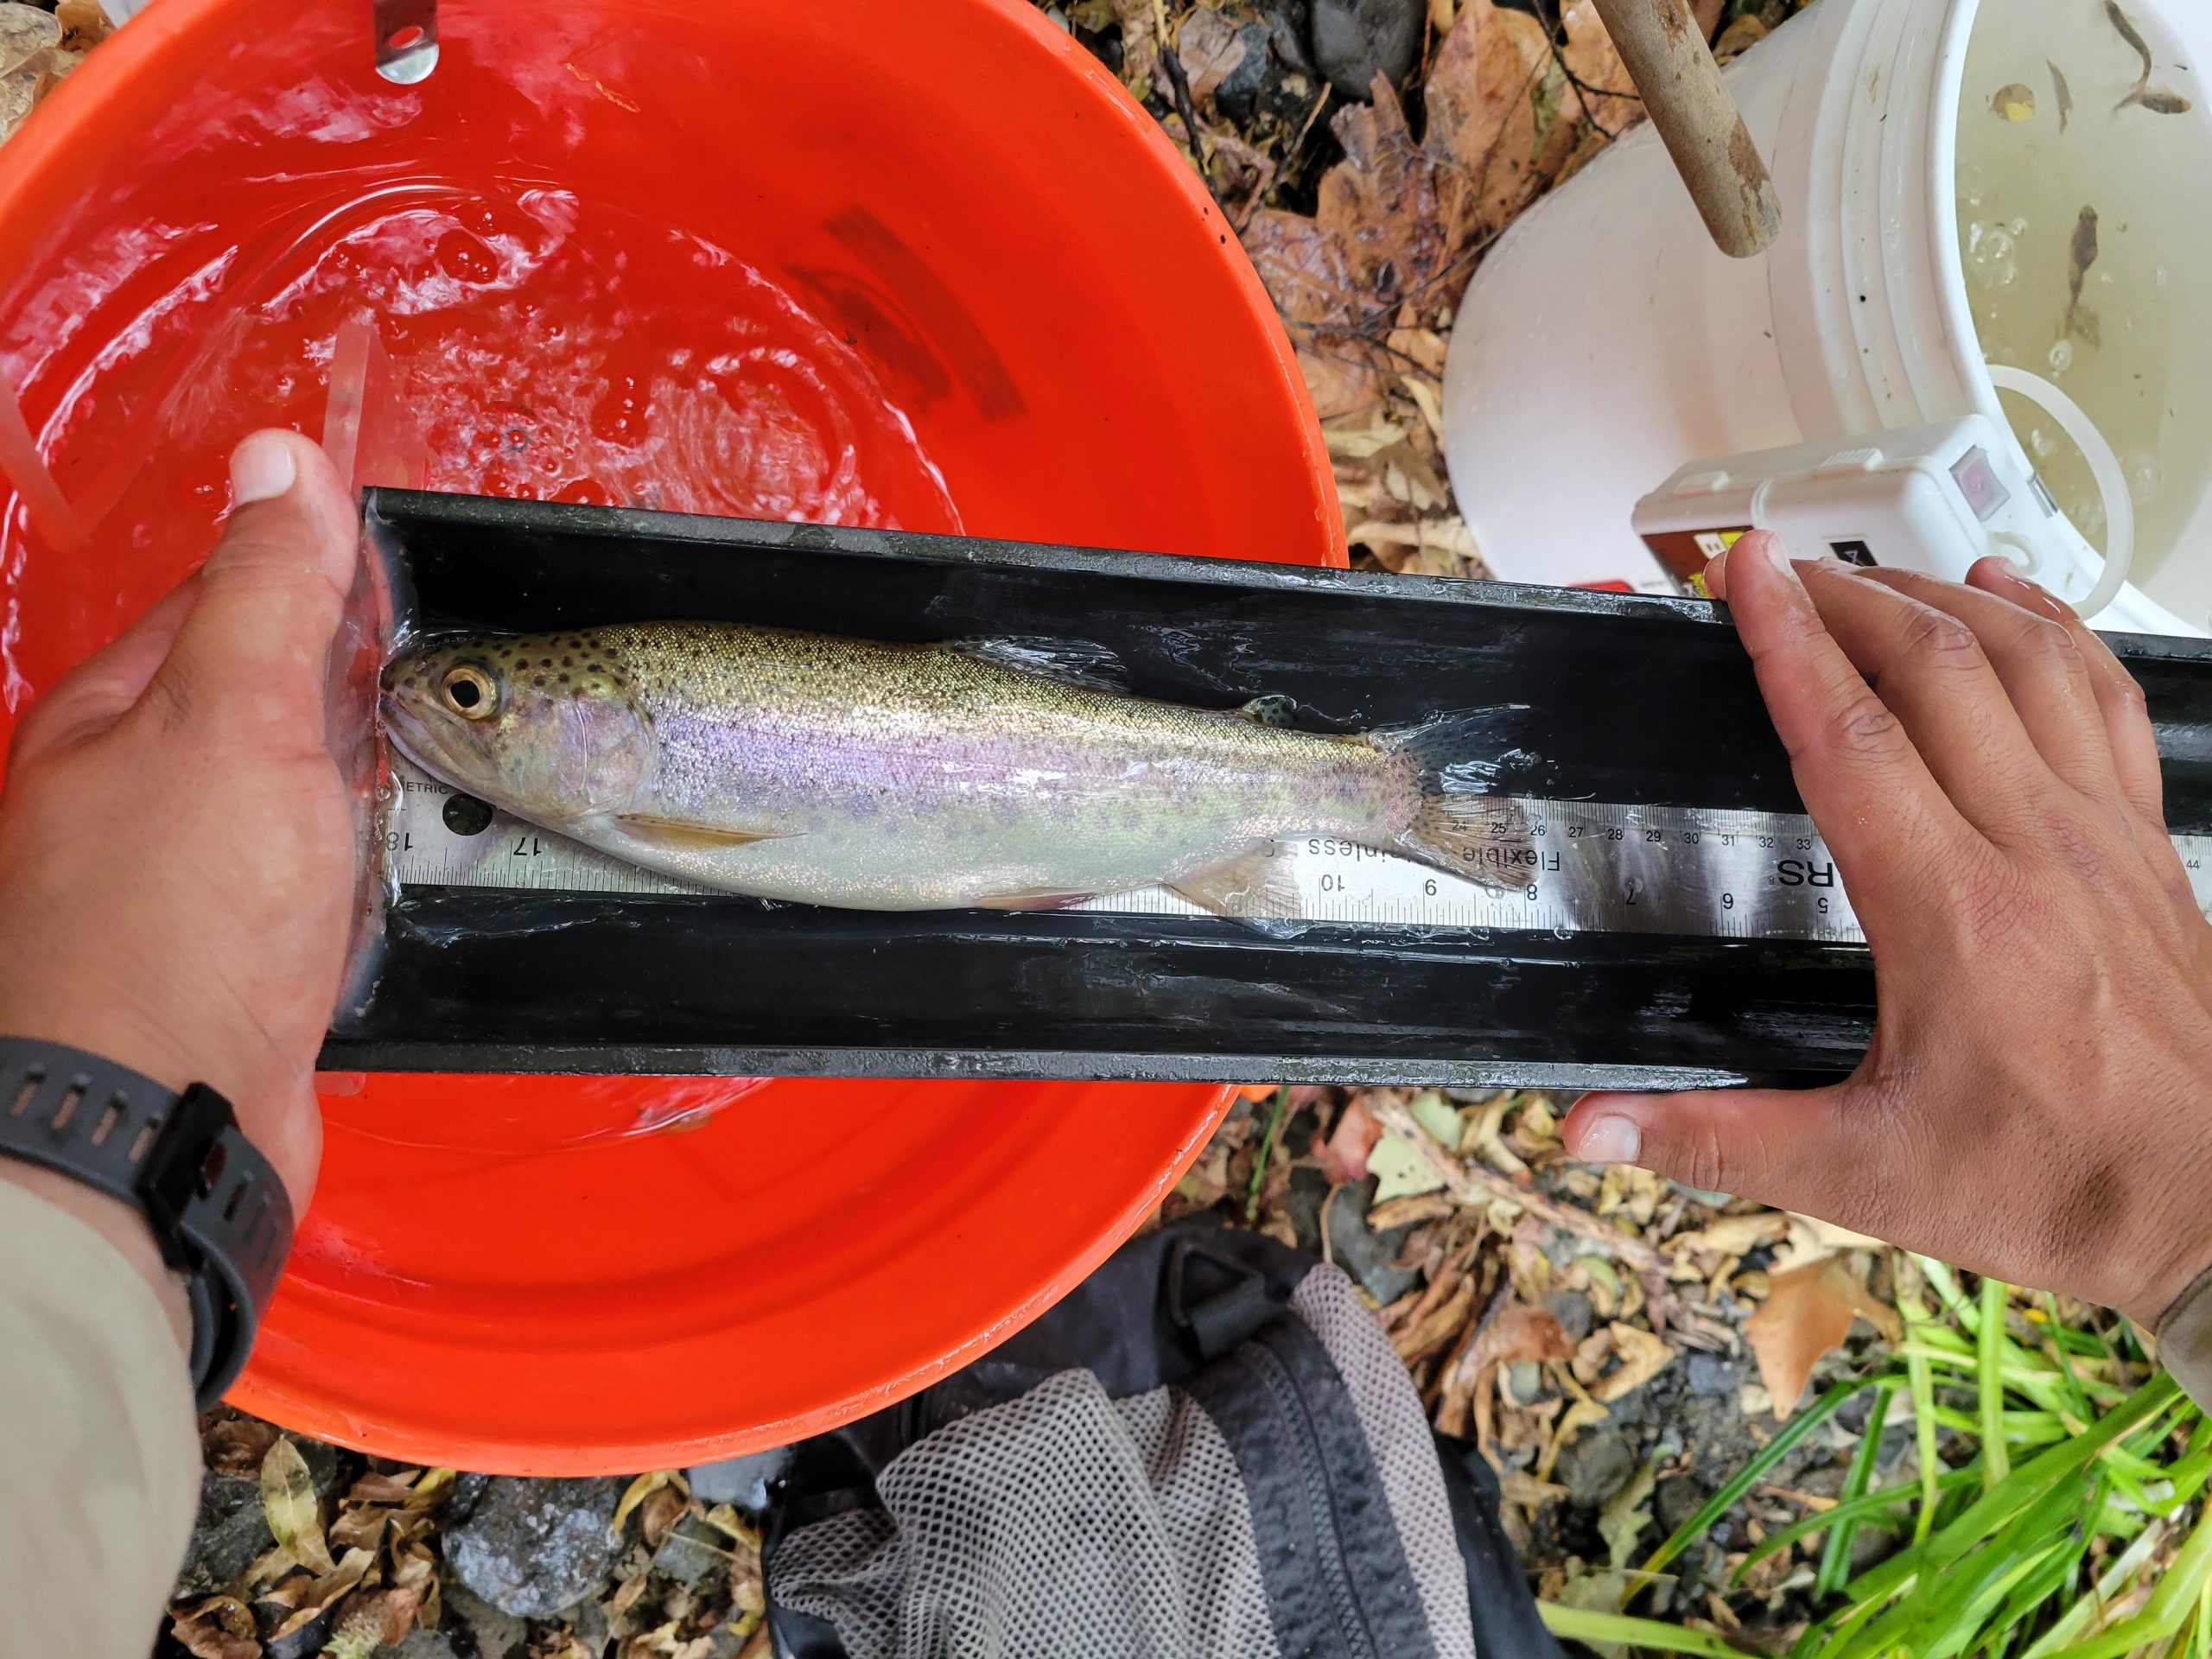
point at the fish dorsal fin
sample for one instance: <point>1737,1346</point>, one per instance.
<point>1255,884</point>
<point>1072,662</point>
<point>674,834</point>
<point>1277,710</point>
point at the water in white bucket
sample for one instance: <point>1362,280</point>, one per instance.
<point>1569,398</point>
<point>2080,268</point>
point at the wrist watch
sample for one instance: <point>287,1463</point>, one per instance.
<point>218,1208</point>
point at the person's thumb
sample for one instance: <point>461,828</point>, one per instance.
<point>273,592</point>
<point>1795,1151</point>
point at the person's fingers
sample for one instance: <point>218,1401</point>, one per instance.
<point>93,696</point>
<point>2040,665</point>
<point>275,588</point>
<point>1880,810</point>
<point>2120,700</point>
<point>1800,1151</point>
<point>1932,673</point>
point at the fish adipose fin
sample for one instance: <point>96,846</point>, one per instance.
<point>1253,886</point>
<point>1073,662</point>
<point>1459,826</point>
<point>674,834</point>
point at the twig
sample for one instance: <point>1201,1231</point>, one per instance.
<point>1475,1184</point>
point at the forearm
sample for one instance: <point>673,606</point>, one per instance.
<point>99,1454</point>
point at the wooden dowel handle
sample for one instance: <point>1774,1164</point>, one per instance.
<point>1666,54</point>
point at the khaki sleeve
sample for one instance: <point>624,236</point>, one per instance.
<point>2185,1340</point>
<point>100,1450</point>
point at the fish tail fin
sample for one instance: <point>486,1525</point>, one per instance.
<point>1462,822</point>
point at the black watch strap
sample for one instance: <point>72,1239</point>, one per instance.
<point>216,1208</point>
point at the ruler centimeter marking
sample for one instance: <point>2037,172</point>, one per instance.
<point>1587,866</point>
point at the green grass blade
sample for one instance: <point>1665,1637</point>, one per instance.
<point>2058,1346</point>
<point>1577,1624</point>
<point>1745,1477</point>
<point>1835,1559</point>
<point>1275,1115</point>
<point>1949,1606</point>
<point>1948,1292</point>
<point>2111,1582</point>
<point>2170,1604</point>
<point>1989,1385</point>
<point>1859,1509</point>
<point>1993,1510</point>
<point>1920,1382</point>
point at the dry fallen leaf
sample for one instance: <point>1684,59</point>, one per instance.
<point>1807,1313</point>
<point>380,1619</point>
<point>1627,1513</point>
<point>1399,1169</point>
<point>221,1627</point>
<point>1501,106</point>
<point>660,1512</point>
<point>1210,49</point>
<point>640,1489</point>
<point>1428,1333</point>
<point>288,1501</point>
<point>1410,1211</point>
<point>1732,1235</point>
<point>1811,1240</point>
<point>1343,1157</point>
<point>236,1445</point>
<point>1642,1357</point>
<point>84,25</point>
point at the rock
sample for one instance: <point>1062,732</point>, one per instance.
<point>589,1620</point>
<point>479,1629</point>
<point>1572,1311</point>
<point>533,1548</point>
<point>741,1481</point>
<point>1524,1381</point>
<point>1238,95</point>
<point>693,1553</point>
<point>1301,1202</point>
<point>1370,1258</point>
<point>1354,41</point>
<point>1676,1500</point>
<point>425,1644</point>
<point>1710,1374</point>
<point>467,1493</point>
<point>1595,1464</point>
<point>230,1532</point>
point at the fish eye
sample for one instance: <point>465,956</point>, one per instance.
<point>470,693</point>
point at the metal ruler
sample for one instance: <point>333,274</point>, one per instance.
<point>1709,872</point>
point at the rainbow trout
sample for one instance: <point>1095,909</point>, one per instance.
<point>888,776</point>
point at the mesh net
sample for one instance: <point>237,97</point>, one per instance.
<point>1059,1524</point>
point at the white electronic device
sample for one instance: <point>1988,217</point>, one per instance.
<point>1933,498</point>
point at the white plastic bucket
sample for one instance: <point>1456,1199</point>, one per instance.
<point>1604,343</point>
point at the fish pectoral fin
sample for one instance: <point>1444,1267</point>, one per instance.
<point>675,833</point>
<point>1032,899</point>
<point>1254,884</point>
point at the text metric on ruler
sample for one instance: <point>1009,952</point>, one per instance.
<point>1587,868</point>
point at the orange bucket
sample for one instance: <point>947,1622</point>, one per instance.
<point>924,265</point>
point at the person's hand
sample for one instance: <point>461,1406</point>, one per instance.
<point>177,847</point>
<point>2037,1103</point>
